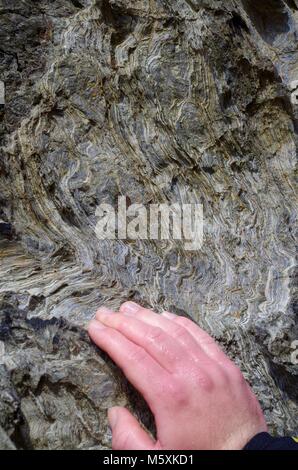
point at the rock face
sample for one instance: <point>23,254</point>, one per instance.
<point>163,101</point>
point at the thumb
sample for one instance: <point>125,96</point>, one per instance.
<point>127,434</point>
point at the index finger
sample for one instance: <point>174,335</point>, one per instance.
<point>144,373</point>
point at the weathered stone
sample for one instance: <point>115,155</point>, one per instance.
<point>174,101</point>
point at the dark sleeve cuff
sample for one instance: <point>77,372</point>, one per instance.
<point>264,441</point>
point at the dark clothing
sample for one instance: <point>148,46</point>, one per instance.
<point>264,441</point>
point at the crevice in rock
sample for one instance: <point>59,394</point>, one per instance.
<point>122,24</point>
<point>238,24</point>
<point>21,435</point>
<point>77,4</point>
<point>292,4</point>
<point>285,381</point>
<point>269,17</point>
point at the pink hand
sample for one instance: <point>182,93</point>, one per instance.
<point>199,397</point>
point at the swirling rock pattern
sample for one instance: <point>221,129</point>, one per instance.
<point>173,101</point>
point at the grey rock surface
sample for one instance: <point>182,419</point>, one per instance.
<point>163,101</point>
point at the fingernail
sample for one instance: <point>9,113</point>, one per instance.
<point>112,417</point>
<point>96,325</point>
<point>104,310</point>
<point>170,316</point>
<point>129,307</point>
<point>102,313</point>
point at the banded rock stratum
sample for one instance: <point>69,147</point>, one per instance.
<point>163,101</point>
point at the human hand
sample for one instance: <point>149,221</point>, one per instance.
<point>198,396</point>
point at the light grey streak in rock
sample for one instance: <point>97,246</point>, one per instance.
<point>2,93</point>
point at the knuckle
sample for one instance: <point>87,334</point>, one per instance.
<point>179,332</point>
<point>177,394</point>
<point>155,334</point>
<point>203,381</point>
<point>136,354</point>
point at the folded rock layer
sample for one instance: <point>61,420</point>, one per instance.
<point>161,101</point>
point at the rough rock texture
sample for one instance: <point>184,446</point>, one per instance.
<point>161,101</point>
